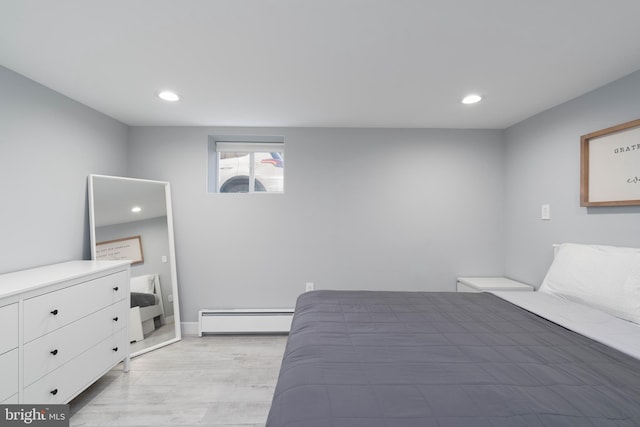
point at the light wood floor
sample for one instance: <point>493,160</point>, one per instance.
<point>209,381</point>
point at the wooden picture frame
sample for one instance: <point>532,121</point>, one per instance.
<point>127,248</point>
<point>610,166</point>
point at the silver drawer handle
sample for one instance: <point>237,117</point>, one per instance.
<point>54,312</point>
<point>54,352</point>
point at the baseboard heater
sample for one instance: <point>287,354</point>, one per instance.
<point>245,321</point>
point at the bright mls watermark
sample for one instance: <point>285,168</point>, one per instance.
<point>34,415</point>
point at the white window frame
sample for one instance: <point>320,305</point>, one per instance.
<point>240,144</point>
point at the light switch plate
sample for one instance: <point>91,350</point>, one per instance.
<point>545,212</point>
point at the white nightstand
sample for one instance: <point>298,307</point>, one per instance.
<point>482,284</point>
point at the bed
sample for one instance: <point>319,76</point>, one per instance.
<point>373,358</point>
<point>147,310</point>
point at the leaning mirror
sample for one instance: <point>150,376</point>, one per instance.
<point>131,219</point>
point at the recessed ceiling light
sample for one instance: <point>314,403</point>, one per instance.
<point>471,99</point>
<point>136,209</point>
<point>168,95</point>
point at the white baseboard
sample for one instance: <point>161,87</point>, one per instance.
<point>189,329</point>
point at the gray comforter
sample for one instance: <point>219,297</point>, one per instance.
<point>142,299</point>
<point>400,359</point>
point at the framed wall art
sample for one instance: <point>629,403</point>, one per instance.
<point>127,248</point>
<point>610,166</point>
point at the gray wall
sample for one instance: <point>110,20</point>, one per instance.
<point>543,166</point>
<point>49,144</point>
<point>363,209</point>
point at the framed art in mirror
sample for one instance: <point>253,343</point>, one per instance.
<point>127,248</point>
<point>610,166</point>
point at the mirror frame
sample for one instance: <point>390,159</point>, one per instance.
<point>171,243</point>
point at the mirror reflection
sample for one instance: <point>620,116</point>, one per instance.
<point>131,219</point>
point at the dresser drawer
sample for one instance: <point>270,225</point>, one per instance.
<point>64,383</point>
<point>8,374</point>
<point>8,327</point>
<point>119,285</point>
<point>119,346</point>
<point>48,312</point>
<point>119,313</point>
<point>53,350</point>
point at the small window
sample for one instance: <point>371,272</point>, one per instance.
<point>246,164</point>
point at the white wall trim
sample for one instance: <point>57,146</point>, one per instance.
<point>189,329</point>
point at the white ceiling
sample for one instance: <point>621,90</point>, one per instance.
<point>364,63</point>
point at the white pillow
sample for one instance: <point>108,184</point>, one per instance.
<point>143,283</point>
<point>603,277</point>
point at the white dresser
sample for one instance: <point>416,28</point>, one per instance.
<point>63,327</point>
<point>9,352</point>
